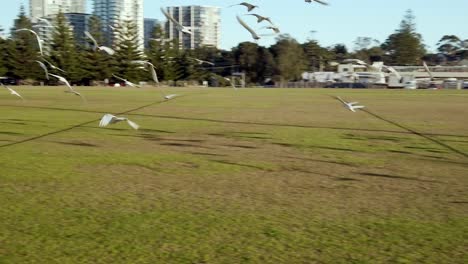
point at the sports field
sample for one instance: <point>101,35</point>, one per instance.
<point>226,176</point>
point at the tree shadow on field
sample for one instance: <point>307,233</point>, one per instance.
<point>287,125</point>
<point>75,126</point>
<point>11,133</point>
<point>320,161</point>
<point>240,146</point>
<point>13,123</point>
<point>397,177</point>
<point>208,154</point>
<point>80,144</point>
<point>183,145</point>
<point>240,164</point>
<point>438,142</point>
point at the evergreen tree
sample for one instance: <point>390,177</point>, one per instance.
<point>23,50</point>
<point>128,49</point>
<point>64,51</point>
<point>316,55</point>
<point>246,56</point>
<point>367,49</point>
<point>3,51</point>
<point>172,56</point>
<point>155,51</point>
<point>289,57</point>
<point>405,46</point>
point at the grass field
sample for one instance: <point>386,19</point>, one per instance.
<point>224,176</point>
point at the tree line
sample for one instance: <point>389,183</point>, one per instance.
<point>285,60</point>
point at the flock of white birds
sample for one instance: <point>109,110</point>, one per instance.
<point>112,119</point>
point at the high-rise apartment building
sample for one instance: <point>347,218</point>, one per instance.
<point>45,8</point>
<point>204,21</point>
<point>112,13</point>
<point>150,24</point>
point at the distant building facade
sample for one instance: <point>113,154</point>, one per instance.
<point>79,22</point>
<point>150,24</point>
<point>113,12</point>
<point>45,8</point>
<point>204,21</point>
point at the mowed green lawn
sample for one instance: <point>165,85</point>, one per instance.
<point>225,176</point>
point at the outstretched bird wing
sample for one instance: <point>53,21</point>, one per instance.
<point>44,68</point>
<point>91,38</point>
<point>106,119</point>
<point>254,34</point>
<point>321,2</point>
<point>154,74</point>
<point>62,79</point>
<point>133,124</point>
<point>170,17</point>
<point>12,92</point>
<point>341,100</point>
<point>39,41</point>
<point>107,50</point>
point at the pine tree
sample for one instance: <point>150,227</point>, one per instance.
<point>64,51</point>
<point>155,51</point>
<point>23,50</point>
<point>128,49</point>
<point>405,46</point>
<point>290,58</point>
<point>172,61</point>
<point>3,51</point>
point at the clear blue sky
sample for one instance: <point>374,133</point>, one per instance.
<point>340,22</point>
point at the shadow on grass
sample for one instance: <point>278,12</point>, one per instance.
<point>438,142</point>
<point>13,123</point>
<point>366,138</point>
<point>240,165</point>
<point>320,161</point>
<point>251,123</point>
<point>183,145</point>
<point>312,147</point>
<point>80,144</point>
<point>10,133</point>
<point>388,176</point>
<point>240,146</point>
<point>207,154</point>
<point>75,126</point>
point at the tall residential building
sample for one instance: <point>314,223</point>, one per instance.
<point>150,24</point>
<point>79,22</point>
<point>205,22</point>
<point>113,12</point>
<point>44,8</point>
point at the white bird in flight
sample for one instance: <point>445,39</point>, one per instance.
<point>231,82</point>
<point>112,119</point>
<point>274,28</point>
<point>126,81</point>
<point>44,68</point>
<point>12,92</point>
<point>155,77</point>
<point>53,66</point>
<point>45,21</point>
<point>260,18</point>
<point>250,7</point>
<point>39,41</point>
<point>318,1</point>
<point>71,90</point>
<point>96,46</point>
<point>202,61</point>
<point>150,65</point>
<point>179,27</point>
<point>352,106</point>
<point>255,36</point>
